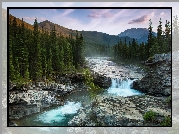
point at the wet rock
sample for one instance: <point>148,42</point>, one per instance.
<point>122,111</point>
<point>102,81</point>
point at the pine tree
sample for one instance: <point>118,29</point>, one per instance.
<point>167,37</point>
<point>79,59</point>
<point>12,75</point>
<point>155,48</point>
<point>37,68</point>
<point>160,39</point>
<point>134,49</point>
<point>15,49</point>
<point>150,39</point>
<point>81,53</point>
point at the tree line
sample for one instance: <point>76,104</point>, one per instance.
<point>154,45</point>
<point>36,53</point>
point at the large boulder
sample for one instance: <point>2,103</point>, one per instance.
<point>157,81</point>
<point>102,81</point>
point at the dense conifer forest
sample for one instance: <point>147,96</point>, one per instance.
<point>34,54</point>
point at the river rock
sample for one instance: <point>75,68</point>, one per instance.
<point>102,81</point>
<point>121,111</point>
<point>158,79</point>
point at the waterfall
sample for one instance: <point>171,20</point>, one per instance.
<point>122,87</point>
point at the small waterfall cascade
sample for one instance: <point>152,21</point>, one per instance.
<point>122,87</point>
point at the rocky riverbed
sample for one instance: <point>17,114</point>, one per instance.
<point>105,67</point>
<point>122,111</point>
<point>129,111</point>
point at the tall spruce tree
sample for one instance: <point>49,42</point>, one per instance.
<point>167,37</point>
<point>36,60</point>
<point>160,38</point>
<point>150,39</point>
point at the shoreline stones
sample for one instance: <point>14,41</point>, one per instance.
<point>121,111</point>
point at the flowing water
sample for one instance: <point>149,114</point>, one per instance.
<point>60,116</point>
<point>122,88</point>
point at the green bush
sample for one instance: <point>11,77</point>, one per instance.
<point>149,116</point>
<point>166,121</point>
<point>93,89</point>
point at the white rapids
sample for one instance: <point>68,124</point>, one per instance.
<point>120,76</point>
<point>58,114</point>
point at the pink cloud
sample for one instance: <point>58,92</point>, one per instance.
<point>100,14</point>
<point>94,15</point>
<point>142,18</point>
<point>107,15</point>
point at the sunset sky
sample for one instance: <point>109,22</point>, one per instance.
<point>110,21</point>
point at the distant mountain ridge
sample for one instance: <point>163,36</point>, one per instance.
<point>93,37</point>
<point>141,34</point>
<point>89,36</point>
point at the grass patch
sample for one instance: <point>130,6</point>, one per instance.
<point>166,121</point>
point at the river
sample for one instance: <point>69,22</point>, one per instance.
<point>59,116</point>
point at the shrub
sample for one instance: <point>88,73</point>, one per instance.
<point>149,116</point>
<point>166,121</point>
<point>93,89</point>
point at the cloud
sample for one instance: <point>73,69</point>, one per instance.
<point>139,20</point>
<point>32,19</point>
<point>107,15</point>
<point>29,18</point>
<point>94,15</point>
<point>100,13</point>
<point>67,11</point>
<point>142,18</point>
<point>162,14</point>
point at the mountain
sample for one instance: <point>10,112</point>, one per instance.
<point>89,36</point>
<point>103,38</point>
<point>141,34</point>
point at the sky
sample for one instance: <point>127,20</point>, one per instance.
<point>110,21</point>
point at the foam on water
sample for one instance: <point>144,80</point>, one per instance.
<point>122,88</point>
<point>59,114</point>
